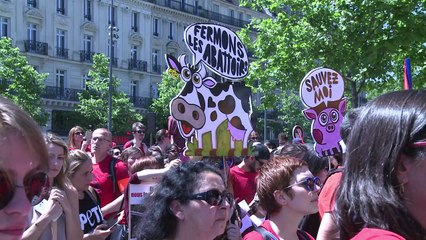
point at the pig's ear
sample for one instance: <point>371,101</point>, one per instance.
<point>342,106</point>
<point>310,114</point>
<point>173,63</point>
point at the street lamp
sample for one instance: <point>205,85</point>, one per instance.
<point>113,35</point>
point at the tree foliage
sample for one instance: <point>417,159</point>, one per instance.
<point>20,82</point>
<point>366,41</point>
<point>169,87</point>
<point>93,101</point>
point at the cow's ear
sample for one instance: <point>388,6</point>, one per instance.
<point>310,113</point>
<point>209,82</point>
<point>173,63</point>
<point>342,106</point>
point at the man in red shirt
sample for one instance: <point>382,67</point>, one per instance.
<point>102,182</point>
<point>243,176</point>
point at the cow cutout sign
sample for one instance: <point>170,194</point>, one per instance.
<point>213,116</point>
<point>321,91</point>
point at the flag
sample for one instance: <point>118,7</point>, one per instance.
<point>408,84</point>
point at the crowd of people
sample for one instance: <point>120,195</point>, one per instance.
<point>79,189</point>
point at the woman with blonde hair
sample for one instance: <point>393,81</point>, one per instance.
<point>76,139</point>
<point>57,217</point>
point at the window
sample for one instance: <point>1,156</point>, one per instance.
<point>231,13</point>
<point>215,8</point>
<point>60,82</point>
<point>171,30</point>
<point>133,88</point>
<point>32,3</point>
<point>134,53</point>
<point>155,63</point>
<point>155,27</point>
<point>88,10</point>
<point>87,43</point>
<point>61,50</point>
<point>86,79</point>
<point>4,29</point>
<point>32,32</point>
<point>112,12</point>
<point>135,19</point>
<point>60,7</point>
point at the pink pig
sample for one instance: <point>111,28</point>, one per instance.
<point>325,128</point>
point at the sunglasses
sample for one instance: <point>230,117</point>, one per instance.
<point>139,131</point>
<point>79,133</point>
<point>214,197</point>
<point>36,187</point>
<point>418,144</point>
<point>308,183</point>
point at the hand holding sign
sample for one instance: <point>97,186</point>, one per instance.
<point>219,48</point>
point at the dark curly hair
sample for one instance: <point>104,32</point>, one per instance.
<point>157,221</point>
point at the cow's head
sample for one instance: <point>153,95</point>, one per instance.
<point>327,122</point>
<point>190,74</point>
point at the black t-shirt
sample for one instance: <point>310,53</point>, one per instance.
<point>89,213</point>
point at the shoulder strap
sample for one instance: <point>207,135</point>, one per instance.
<point>265,233</point>
<point>112,174</point>
<point>337,170</point>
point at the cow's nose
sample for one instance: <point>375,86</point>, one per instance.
<point>330,128</point>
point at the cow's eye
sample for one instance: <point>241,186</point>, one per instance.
<point>323,119</point>
<point>334,116</point>
<point>196,78</point>
<point>186,74</point>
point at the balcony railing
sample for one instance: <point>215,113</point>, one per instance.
<point>197,10</point>
<point>88,17</point>
<point>59,93</point>
<point>62,52</point>
<point>138,65</point>
<point>35,47</point>
<point>115,62</point>
<point>140,102</point>
<point>61,11</point>
<point>86,56</point>
<point>135,28</point>
<point>156,68</point>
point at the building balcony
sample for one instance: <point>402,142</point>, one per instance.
<point>35,47</point>
<point>70,94</point>
<point>156,68</point>
<point>138,65</point>
<point>62,52</point>
<point>198,11</point>
<point>140,102</point>
<point>67,94</point>
<point>86,56</point>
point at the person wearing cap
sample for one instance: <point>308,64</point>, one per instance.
<point>243,175</point>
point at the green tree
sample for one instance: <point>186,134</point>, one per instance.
<point>20,82</point>
<point>366,41</point>
<point>167,89</point>
<point>93,101</point>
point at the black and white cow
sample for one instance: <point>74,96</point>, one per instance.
<point>204,104</point>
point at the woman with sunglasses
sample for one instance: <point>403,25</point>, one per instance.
<point>76,139</point>
<point>382,194</point>
<point>23,167</point>
<point>57,216</point>
<point>288,191</point>
<point>190,202</point>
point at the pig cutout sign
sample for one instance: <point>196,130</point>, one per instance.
<point>322,92</point>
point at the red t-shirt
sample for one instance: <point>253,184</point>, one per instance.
<point>142,147</point>
<point>102,181</point>
<point>375,233</point>
<point>267,225</point>
<point>327,195</point>
<point>243,184</point>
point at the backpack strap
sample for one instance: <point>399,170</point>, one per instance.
<point>267,235</point>
<point>112,174</point>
